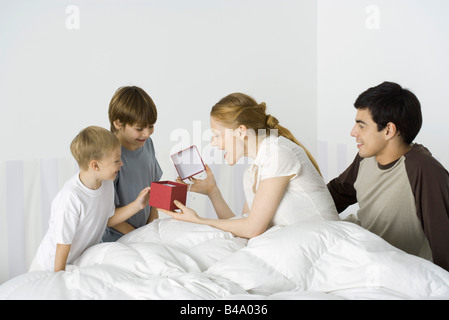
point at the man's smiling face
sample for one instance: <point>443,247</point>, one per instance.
<point>370,141</point>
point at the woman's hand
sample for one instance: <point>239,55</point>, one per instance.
<point>203,186</point>
<point>186,213</point>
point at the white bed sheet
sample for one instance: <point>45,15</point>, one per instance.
<point>169,259</point>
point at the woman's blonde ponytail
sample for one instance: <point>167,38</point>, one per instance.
<point>272,122</point>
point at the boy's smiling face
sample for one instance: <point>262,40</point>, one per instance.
<point>110,164</point>
<point>133,137</point>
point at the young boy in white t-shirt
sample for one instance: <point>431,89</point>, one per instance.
<point>85,205</point>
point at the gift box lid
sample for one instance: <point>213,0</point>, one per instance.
<point>188,162</point>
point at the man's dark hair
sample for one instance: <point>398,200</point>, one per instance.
<point>389,102</point>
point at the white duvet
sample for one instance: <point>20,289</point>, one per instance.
<point>169,259</point>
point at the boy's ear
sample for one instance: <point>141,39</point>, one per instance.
<point>93,164</point>
<point>117,124</point>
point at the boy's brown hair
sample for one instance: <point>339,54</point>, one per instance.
<point>132,106</point>
<point>93,143</point>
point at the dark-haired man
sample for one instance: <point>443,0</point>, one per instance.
<point>402,191</point>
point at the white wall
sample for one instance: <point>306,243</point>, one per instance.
<point>307,60</point>
<point>60,66</point>
<point>185,54</point>
<point>363,43</point>
<point>62,61</point>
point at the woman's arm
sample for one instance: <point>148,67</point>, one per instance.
<point>266,202</point>
<point>245,208</point>
<point>209,187</point>
<point>220,206</point>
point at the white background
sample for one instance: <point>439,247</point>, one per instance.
<point>408,44</point>
<point>186,54</point>
<point>308,60</point>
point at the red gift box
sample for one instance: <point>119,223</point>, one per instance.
<point>163,193</point>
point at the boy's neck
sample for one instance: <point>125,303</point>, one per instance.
<point>89,180</point>
<point>125,144</point>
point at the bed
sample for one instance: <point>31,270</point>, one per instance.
<point>170,259</point>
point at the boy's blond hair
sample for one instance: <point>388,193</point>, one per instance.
<point>132,106</point>
<point>93,143</point>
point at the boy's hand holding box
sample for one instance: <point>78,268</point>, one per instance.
<point>163,193</point>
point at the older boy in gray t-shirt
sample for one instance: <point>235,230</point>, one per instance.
<point>132,114</point>
<point>140,168</point>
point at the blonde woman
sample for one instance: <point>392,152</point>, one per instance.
<point>282,186</point>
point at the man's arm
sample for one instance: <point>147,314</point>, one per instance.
<point>430,185</point>
<point>342,188</point>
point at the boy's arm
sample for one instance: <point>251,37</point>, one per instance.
<point>123,213</point>
<point>154,214</point>
<point>342,188</point>
<point>62,253</point>
<point>124,227</point>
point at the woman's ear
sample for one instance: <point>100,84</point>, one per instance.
<point>242,131</point>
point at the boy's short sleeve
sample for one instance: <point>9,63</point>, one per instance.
<point>66,224</point>
<point>112,207</point>
<point>156,170</point>
<point>278,161</point>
